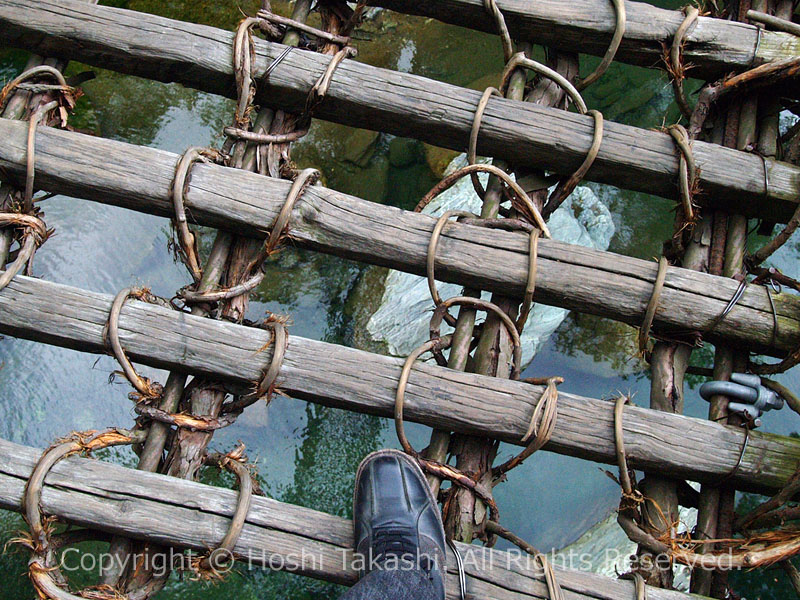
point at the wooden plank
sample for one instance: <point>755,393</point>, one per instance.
<point>355,380</point>
<point>175,512</point>
<point>400,103</point>
<point>573,277</point>
<point>713,46</point>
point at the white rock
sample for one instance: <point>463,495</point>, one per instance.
<point>402,319</point>
<point>606,550</point>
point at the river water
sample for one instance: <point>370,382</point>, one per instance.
<point>307,454</point>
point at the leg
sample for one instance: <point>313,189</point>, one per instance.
<point>392,585</point>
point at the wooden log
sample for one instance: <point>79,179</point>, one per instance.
<point>174,512</point>
<point>355,380</point>
<point>573,277</point>
<point>713,46</point>
<point>400,103</point>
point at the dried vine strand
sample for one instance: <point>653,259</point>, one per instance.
<point>320,89</point>
<point>519,60</point>
<point>676,67</point>
<point>768,249</point>
<point>304,179</point>
<point>265,138</point>
<point>530,282</point>
<point>774,22</point>
<point>430,261</point>
<point>625,480</point>
<point>266,385</point>
<point>440,470</point>
<point>267,15</point>
<point>541,427</point>
<point>554,590</point>
<point>491,7</point>
<point>44,571</point>
<point>521,200</point>
<point>36,234</point>
<point>186,239</point>
<point>652,304</point>
<point>566,186</point>
<point>146,388</point>
<point>215,563</point>
<point>619,33</point>
<point>472,149</point>
<point>30,161</point>
<point>687,171</point>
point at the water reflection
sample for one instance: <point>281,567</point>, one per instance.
<point>307,454</point>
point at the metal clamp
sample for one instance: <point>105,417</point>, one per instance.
<point>748,397</point>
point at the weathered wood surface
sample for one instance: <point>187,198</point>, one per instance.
<point>573,277</point>
<point>713,46</point>
<point>175,512</point>
<point>355,380</point>
<point>400,103</point>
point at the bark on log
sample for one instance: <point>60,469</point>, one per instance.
<point>175,512</point>
<point>713,46</point>
<point>355,380</point>
<point>582,279</point>
<point>364,96</point>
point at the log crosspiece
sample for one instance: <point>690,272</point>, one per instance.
<point>541,137</point>
<point>343,225</point>
<point>714,46</point>
<point>111,498</point>
<point>364,382</point>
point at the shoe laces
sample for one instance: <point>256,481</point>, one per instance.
<point>392,540</point>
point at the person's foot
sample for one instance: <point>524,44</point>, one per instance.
<point>396,518</point>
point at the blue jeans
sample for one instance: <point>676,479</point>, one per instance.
<point>395,584</point>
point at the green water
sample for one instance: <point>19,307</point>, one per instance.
<point>307,454</point>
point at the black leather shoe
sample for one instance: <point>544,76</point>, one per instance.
<point>396,518</point>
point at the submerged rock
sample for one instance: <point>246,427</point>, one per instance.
<point>401,321</point>
<point>606,550</point>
